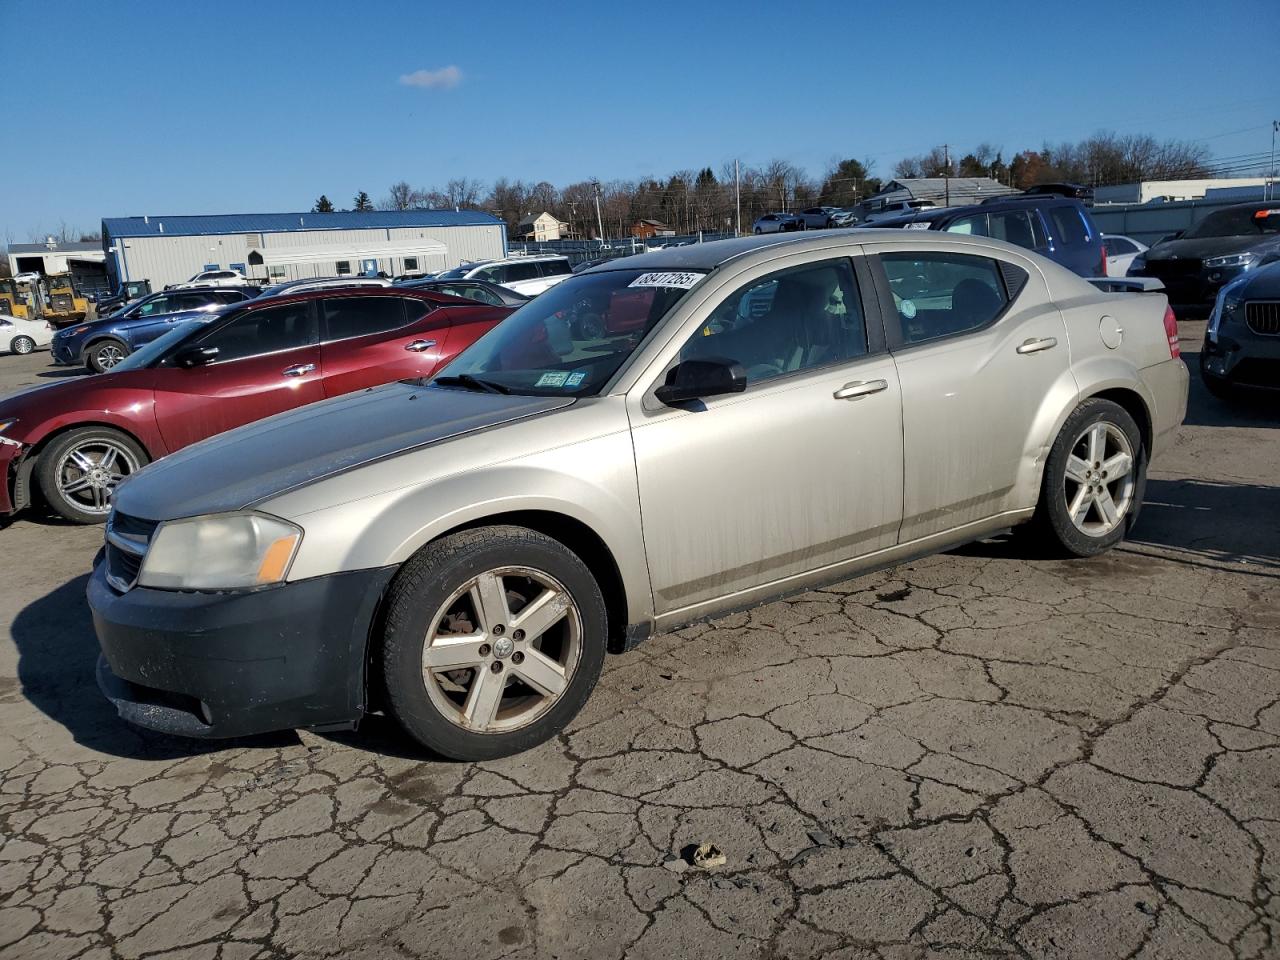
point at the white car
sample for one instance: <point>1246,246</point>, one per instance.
<point>20,335</point>
<point>215,278</point>
<point>898,208</point>
<point>1120,253</point>
<point>527,275</point>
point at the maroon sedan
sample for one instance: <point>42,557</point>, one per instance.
<point>79,438</point>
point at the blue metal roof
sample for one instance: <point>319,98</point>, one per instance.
<point>223,223</point>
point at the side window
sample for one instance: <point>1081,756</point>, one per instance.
<point>943,294</point>
<point>158,305</point>
<point>521,271</point>
<point>257,332</point>
<point>1038,234</point>
<point>1013,226</point>
<point>473,292</point>
<point>229,296</point>
<point>555,268</point>
<point>496,274</point>
<point>975,225</point>
<point>360,316</point>
<point>792,320</point>
<point>1068,225</point>
<point>1118,245</point>
<point>415,310</point>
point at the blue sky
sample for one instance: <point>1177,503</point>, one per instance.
<point>172,107</point>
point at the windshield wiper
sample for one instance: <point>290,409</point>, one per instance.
<point>472,383</point>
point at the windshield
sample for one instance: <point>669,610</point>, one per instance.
<point>1247,222</point>
<point>144,356</point>
<point>572,339</point>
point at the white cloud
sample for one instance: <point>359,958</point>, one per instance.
<point>441,79</point>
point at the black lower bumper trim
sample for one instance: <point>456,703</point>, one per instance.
<point>241,662</point>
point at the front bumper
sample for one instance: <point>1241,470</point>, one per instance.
<point>64,352</point>
<point>241,662</point>
<point>1238,355</point>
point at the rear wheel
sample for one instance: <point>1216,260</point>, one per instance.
<point>22,345</point>
<point>1094,480</point>
<point>494,640</point>
<point>79,471</point>
<point>105,354</point>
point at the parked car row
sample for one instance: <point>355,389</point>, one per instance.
<point>459,553</point>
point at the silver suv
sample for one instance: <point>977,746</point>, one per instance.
<point>657,440</point>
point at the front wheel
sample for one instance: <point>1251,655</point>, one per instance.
<point>22,345</point>
<point>1094,480</point>
<point>79,471</point>
<point>104,355</point>
<point>494,640</point>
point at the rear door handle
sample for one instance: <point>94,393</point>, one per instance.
<point>418,346</point>
<point>299,370</point>
<point>1035,345</point>
<point>860,388</point>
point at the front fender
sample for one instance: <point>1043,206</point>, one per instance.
<point>592,482</point>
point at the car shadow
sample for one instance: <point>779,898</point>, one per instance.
<point>62,373</point>
<point>1245,408</point>
<point>57,656</point>
<point>1210,521</point>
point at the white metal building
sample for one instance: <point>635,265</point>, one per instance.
<point>291,246</point>
<point>1175,190</point>
<point>52,256</point>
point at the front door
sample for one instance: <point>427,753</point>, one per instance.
<point>267,361</point>
<point>984,371</point>
<point>801,471</point>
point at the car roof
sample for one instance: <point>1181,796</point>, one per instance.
<point>505,260</point>
<point>708,256</point>
<point>332,292</point>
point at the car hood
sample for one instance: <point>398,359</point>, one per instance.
<point>235,470</point>
<point>1205,247</point>
<point>1260,284</point>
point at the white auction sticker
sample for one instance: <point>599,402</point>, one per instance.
<point>681,281</point>
<point>918,225</point>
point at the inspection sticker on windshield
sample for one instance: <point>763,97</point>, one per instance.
<point>681,281</point>
<point>575,378</point>
<point>555,379</point>
<point>918,225</point>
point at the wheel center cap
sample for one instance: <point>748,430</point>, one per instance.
<point>503,648</point>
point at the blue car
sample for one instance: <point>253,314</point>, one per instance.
<point>102,344</point>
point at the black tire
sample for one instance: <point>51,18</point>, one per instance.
<point>22,345</point>
<point>49,464</point>
<point>1052,527</point>
<point>425,584</point>
<point>758,231</point>
<point>105,354</point>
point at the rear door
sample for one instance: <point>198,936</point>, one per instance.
<point>369,339</point>
<point>984,363</point>
<point>1077,244</point>
<point>268,361</point>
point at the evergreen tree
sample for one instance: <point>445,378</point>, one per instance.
<point>363,202</point>
<point>323,205</point>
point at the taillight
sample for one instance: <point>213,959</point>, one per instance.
<point>1171,330</point>
<point>1104,260</point>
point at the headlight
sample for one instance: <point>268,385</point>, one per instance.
<point>221,552</point>
<point>1224,307</point>
<point>73,332</point>
<point>1245,260</point>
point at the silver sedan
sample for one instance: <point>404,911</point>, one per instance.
<point>657,440</point>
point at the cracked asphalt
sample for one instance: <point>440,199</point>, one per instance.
<point>981,754</point>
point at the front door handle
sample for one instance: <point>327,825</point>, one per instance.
<point>299,370</point>
<point>860,388</point>
<point>1035,345</point>
<point>420,345</point>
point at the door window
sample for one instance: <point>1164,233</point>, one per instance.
<point>473,292</point>
<point>1069,226</point>
<point>1013,226</point>
<point>792,320</point>
<point>257,332</point>
<point>1119,245</point>
<point>943,294</point>
<point>971,226</point>
<point>555,268</point>
<point>521,271</point>
<point>360,316</point>
<point>158,305</point>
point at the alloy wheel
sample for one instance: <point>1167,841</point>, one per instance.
<point>23,345</point>
<point>1099,481</point>
<point>502,649</point>
<point>88,474</point>
<point>108,356</point>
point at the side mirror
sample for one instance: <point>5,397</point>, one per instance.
<point>195,357</point>
<point>704,377</point>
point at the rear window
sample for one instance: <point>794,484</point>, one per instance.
<point>1068,226</point>
<point>359,316</point>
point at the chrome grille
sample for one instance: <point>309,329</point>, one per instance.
<point>1263,316</point>
<point>127,542</point>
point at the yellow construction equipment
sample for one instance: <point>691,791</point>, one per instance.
<point>61,303</point>
<point>13,300</point>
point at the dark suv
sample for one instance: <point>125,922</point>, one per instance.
<point>101,344</point>
<point>1057,227</point>
<point>1242,341</point>
<point>1195,264</point>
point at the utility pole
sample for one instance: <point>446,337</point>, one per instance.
<point>599,219</point>
<point>737,197</point>
<point>946,173</point>
<point>1271,167</point>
